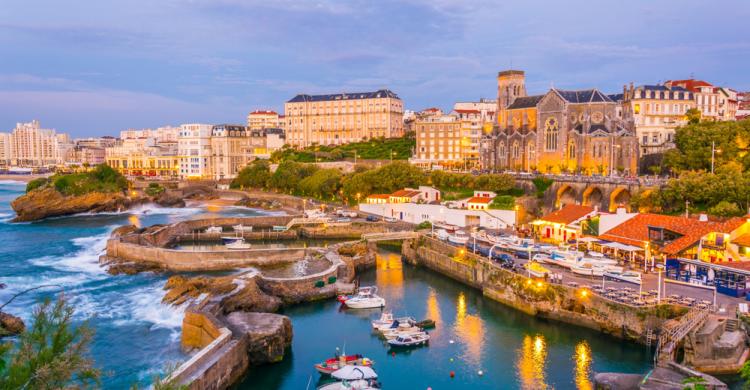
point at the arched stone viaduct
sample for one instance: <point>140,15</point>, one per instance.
<point>603,195</point>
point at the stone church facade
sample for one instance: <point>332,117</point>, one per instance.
<point>560,131</point>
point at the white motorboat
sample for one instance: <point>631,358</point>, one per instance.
<point>214,230</point>
<point>624,276</point>
<point>391,334</point>
<point>542,258</point>
<point>442,234</point>
<point>238,244</point>
<point>535,269</point>
<point>384,323</point>
<point>591,268</point>
<point>445,226</point>
<point>410,340</point>
<point>366,298</point>
<point>385,320</point>
<point>359,384</point>
<point>242,228</point>
<point>520,244</point>
<point>459,237</point>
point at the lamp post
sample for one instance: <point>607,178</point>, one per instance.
<point>713,154</point>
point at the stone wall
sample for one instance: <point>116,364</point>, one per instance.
<point>303,289</point>
<point>551,301</point>
<point>347,230</point>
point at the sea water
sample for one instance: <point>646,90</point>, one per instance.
<point>136,336</point>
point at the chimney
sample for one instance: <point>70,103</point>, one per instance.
<point>620,211</point>
<point>703,217</point>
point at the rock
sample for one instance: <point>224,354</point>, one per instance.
<point>48,202</point>
<point>251,299</point>
<point>616,381</point>
<point>10,324</point>
<point>256,203</point>
<point>169,199</point>
<point>124,230</point>
<point>268,335</point>
<point>181,289</point>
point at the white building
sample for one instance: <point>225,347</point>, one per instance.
<point>417,213</point>
<point>32,146</point>
<point>5,148</point>
<point>194,151</point>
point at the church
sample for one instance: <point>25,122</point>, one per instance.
<point>578,132</point>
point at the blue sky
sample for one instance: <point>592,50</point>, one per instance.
<point>97,67</point>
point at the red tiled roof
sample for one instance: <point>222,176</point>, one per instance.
<point>635,230</point>
<point>691,84</point>
<point>379,196</point>
<point>263,112</point>
<point>468,111</point>
<point>743,240</point>
<point>568,214</point>
<point>431,109</point>
<point>479,199</point>
<point>406,193</point>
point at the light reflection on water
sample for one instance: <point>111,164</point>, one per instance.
<point>470,330</point>
<point>390,274</point>
<point>531,361</point>
<point>582,374</point>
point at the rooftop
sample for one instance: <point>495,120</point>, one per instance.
<point>406,193</point>
<point>479,199</point>
<point>583,96</point>
<point>381,93</point>
<point>525,102</point>
<point>264,112</point>
<point>568,214</point>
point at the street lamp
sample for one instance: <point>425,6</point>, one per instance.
<point>713,154</point>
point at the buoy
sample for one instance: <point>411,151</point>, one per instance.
<point>453,374</point>
<point>451,359</point>
<point>393,354</point>
<point>480,372</point>
<point>451,342</point>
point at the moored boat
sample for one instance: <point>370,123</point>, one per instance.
<point>242,228</point>
<point>426,323</point>
<point>624,276</point>
<point>535,269</point>
<point>410,340</point>
<point>238,244</point>
<point>366,298</point>
<point>337,362</point>
<point>459,237</point>
<point>214,230</point>
<point>358,384</point>
<point>442,234</point>
<point>228,239</point>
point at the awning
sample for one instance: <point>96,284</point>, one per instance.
<point>588,239</point>
<point>622,247</point>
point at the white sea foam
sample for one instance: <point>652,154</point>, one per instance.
<point>144,305</point>
<point>84,260</point>
<point>13,182</point>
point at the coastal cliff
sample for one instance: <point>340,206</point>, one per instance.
<point>48,202</point>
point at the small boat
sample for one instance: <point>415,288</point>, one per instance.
<point>391,334</point>
<point>228,239</point>
<point>445,226</point>
<point>366,298</point>
<point>337,362</point>
<point>590,268</point>
<point>358,384</point>
<point>624,276</point>
<point>542,258</point>
<point>536,270</point>
<point>385,320</point>
<point>214,230</point>
<point>459,237</point>
<point>410,340</point>
<point>238,244</point>
<point>442,234</point>
<point>426,324</point>
<point>242,228</point>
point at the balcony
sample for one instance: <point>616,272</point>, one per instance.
<point>711,244</point>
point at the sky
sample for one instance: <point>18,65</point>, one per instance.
<point>96,67</point>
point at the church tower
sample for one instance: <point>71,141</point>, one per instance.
<point>510,85</point>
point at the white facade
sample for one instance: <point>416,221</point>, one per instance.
<point>5,148</point>
<point>194,150</point>
<point>161,134</point>
<point>418,213</point>
<point>32,146</point>
<point>608,222</point>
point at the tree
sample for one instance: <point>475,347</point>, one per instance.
<point>51,354</point>
<point>503,202</point>
<point>693,116</point>
<point>154,189</point>
<point>288,175</point>
<point>324,183</point>
<point>255,175</point>
<point>725,209</point>
<point>385,179</point>
<point>496,183</point>
<point>541,184</point>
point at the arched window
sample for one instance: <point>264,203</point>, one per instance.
<point>571,150</point>
<point>501,149</point>
<point>550,134</point>
<point>515,150</point>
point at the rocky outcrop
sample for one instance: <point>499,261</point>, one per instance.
<point>48,202</point>
<point>266,204</point>
<point>170,199</point>
<point>268,335</point>
<point>248,297</point>
<point>10,325</point>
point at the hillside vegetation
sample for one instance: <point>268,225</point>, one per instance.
<point>100,179</point>
<point>374,149</point>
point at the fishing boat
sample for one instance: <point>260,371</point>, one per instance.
<point>459,238</point>
<point>214,230</point>
<point>238,244</point>
<point>339,361</point>
<point>228,239</point>
<point>386,319</point>
<point>564,257</point>
<point>242,228</point>
<point>358,384</point>
<point>542,258</point>
<point>591,268</point>
<point>445,226</point>
<point>535,269</point>
<point>410,340</point>
<point>366,298</point>
<point>442,234</point>
<point>426,323</point>
<point>624,276</point>
<point>407,330</point>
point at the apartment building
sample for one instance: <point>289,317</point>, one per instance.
<point>5,148</point>
<point>439,140</point>
<point>144,157</point>
<point>263,142</point>
<point>656,111</point>
<point>161,134</point>
<point>264,119</point>
<point>486,109</point>
<point>194,151</point>
<point>28,145</point>
<point>230,150</point>
<point>343,118</point>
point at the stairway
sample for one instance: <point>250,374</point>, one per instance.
<point>731,325</point>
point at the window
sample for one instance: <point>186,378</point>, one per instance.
<point>572,150</point>
<point>550,134</point>
<point>516,152</point>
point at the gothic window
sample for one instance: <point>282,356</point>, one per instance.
<point>516,152</point>
<point>501,149</point>
<point>571,150</point>
<point>550,134</point>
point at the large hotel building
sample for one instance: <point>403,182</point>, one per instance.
<point>343,118</point>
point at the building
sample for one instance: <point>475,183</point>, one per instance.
<point>161,134</point>
<point>29,145</point>
<point>194,151</point>
<point>438,142</point>
<point>559,131</point>
<point>230,150</point>
<point>5,149</point>
<point>564,224</point>
<point>147,152</point>
<point>264,119</point>
<point>263,142</point>
<point>343,118</point>
<point>85,155</point>
<point>486,109</point>
<point>656,110</point>
<point>714,103</point>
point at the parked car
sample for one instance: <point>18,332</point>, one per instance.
<point>372,218</point>
<point>389,219</point>
<point>344,219</point>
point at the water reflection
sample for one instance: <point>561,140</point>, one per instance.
<point>530,362</point>
<point>470,330</point>
<point>433,311</point>
<point>390,273</point>
<point>582,368</point>
<point>134,220</point>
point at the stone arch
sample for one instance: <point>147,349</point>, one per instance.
<point>566,194</point>
<point>592,196</point>
<point>620,197</point>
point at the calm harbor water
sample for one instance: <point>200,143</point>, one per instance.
<point>512,349</point>
<point>136,336</point>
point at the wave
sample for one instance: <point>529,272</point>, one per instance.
<point>84,260</point>
<point>144,305</point>
<point>13,182</point>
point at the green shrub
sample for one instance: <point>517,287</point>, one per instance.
<point>154,189</point>
<point>503,202</point>
<point>541,184</point>
<point>37,183</point>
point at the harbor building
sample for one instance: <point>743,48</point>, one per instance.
<point>559,131</point>
<point>343,118</point>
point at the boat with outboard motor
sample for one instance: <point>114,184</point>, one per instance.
<point>337,362</point>
<point>624,276</point>
<point>410,340</point>
<point>459,237</point>
<point>366,298</point>
<point>238,244</point>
